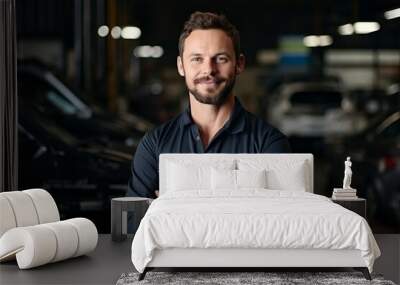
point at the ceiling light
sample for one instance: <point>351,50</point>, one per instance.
<point>143,51</point>
<point>130,33</point>
<point>148,51</point>
<point>325,40</point>
<point>392,14</point>
<point>346,30</point>
<point>311,41</point>
<point>102,31</point>
<point>366,27</point>
<point>157,51</point>
<point>116,32</point>
<point>317,41</point>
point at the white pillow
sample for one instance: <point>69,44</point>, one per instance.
<point>237,179</point>
<point>184,175</point>
<point>251,178</point>
<point>281,174</point>
<point>223,179</point>
<point>183,178</point>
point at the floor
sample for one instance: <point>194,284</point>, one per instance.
<point>110,260</point>
<point>389,262</point>
<point>103,266</point>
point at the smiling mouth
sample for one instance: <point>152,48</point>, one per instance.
<point>215,81</point>
<point>211,82</point>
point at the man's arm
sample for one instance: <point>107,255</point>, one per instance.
<point>144,169</point>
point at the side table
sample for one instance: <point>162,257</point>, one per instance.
<point>119,215</point>
<point>358,205</point>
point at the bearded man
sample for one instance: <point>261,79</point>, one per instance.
<point>209,59</point>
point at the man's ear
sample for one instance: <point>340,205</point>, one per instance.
<point>240,64</point>
<point>179,64</point>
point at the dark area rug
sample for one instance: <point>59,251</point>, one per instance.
<point>229,278</point>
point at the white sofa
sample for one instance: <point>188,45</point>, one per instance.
<point>31,231</point>
<point>184,174</point>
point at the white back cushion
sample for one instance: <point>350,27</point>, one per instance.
<point>287,170</point>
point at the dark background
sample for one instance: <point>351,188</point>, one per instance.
<point>85,101</point>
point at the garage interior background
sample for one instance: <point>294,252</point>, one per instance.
<point>94,76</point>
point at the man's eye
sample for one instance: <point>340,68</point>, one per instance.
<point>196,59</point>
<point>222,59</point>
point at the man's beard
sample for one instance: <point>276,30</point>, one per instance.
<point>217,99</point>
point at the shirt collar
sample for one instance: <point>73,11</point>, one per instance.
<point>235,124</point>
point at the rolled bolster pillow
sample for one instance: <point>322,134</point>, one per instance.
<point>26,208</point>
<point>7,218</point>
<point>87,235</point>
<point>67,240</point>
<point>23,208</point>
<point>33,246</point>
<point>45,205</point>
<point>40,244</point>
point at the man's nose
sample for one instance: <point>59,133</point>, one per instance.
<point>209,67</point>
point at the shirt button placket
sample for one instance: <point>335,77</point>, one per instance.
<point>200,146</point>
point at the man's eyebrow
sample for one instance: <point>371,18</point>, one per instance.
<point>222,53</point>
<point>217,54</point>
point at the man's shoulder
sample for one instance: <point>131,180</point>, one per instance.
<point>172,125</point>
<point>267,137</point>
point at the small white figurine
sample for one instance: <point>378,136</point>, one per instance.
<point>347,174</point>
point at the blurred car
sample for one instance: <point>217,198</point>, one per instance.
<point>40,90</point>
<point>375,153</point>
<point>314,109</point>
<point>77,152</point>
<point>81,175</point>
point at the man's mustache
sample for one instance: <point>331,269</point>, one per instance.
<point>209,78</point>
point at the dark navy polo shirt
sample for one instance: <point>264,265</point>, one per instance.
<point>242,133</point>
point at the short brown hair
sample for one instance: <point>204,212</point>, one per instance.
<point>206,21</point>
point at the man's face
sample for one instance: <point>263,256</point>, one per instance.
<point>209,65</point>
